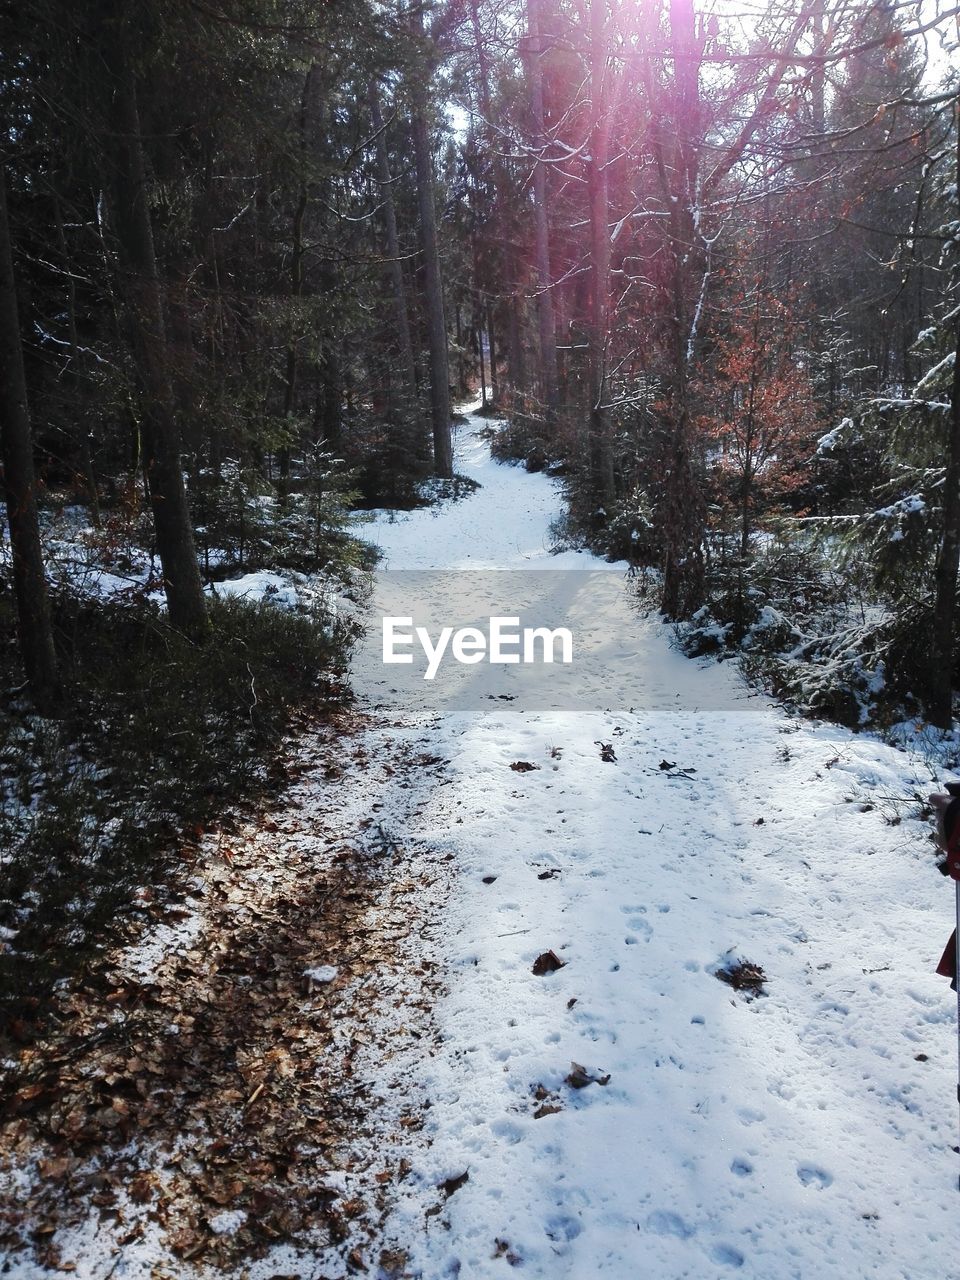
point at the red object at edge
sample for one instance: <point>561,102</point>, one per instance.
<point>947,968</point>
<point>953,855</point>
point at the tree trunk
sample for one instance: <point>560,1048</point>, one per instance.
<point>436,324</point>
<point>297,251</point>
<point>516,365</point>
<point>401,310</point>
<point>940,708</point>
<point>545,308</point>
<point>494,374</point>
<point>72,377</point>
<point>682,512</point>
<point>329,411</point>
<point>186,605</point>
<point>29,581</point>
<point>478,340</point>
<point>601,448</point>
<point>745,495</point>
<point>292,369</point>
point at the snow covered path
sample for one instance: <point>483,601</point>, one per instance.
<point>806,1132</point>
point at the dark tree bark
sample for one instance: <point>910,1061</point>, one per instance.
<point>140,282</point>
<point>545,309</point>
<point>682,509</point>
<point>29,581</point>
<point>601,446</point>
<point>401,310</point>
<point>478,348</point>
<point>297,250</point>
<point>436,323</point>
<point>940,708</point>
<point>72,376</point>
<point>516,364</point>
<point>494,374</point>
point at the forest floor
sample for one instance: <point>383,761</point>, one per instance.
<point>451,1007</point>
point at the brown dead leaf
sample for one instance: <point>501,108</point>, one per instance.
<point>450,1185</point>
<point>580,1077</point>
<point>547,962</point>
<point>141,1188</point>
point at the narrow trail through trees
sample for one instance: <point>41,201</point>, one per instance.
<point>451,1003</point>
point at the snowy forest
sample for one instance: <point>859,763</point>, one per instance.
<point>313,315</point>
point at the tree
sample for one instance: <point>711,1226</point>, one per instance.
<point>400,306</point>
<point>940,702</point>
<point>545,309</point>
<point>186,605</point>
<point>433,280</point>
<point>756,402</point>
<point>29,580</point>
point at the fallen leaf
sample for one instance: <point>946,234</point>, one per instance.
<point>450,1185</point>
<point>547,962</point>
<point>580,1077</point>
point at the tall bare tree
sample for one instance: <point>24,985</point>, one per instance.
<point>140,283</point>
<point>433,278</point>
<point>29,580</point>
<point>545,308</point>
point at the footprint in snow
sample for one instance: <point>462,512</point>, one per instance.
<point>664,1223</point>
<point>749,1116</point>
<point>812,1176</point>
<point>641,926</point>
<point>562,1228</point>
<point>726,1255</point>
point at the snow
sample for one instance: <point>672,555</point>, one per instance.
<point>934,377</point>
<point>505,525</point>
<point>805,1132</point>
<point>228,1222</point>
<point>164,940</point>
<point>829,442</point>
<point>254,587</point>
<point>913,504</point>
<point>674,823</point>
<point>322,973</point>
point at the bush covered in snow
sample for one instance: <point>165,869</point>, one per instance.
<point>812,620</point>
<point>801,627</point>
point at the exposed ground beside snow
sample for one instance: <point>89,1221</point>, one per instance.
<point>805,1132</point>
<point>205,1091</point>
